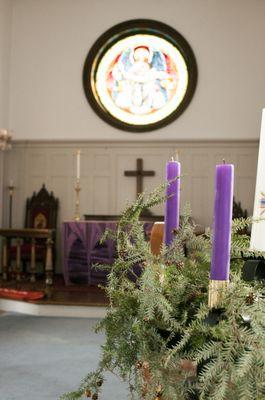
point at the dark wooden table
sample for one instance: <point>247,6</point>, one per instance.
<point>32,235</point>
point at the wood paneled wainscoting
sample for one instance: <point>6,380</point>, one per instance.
<point>104,187</point>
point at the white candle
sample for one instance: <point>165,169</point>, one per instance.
<point>257,241</point>
<point>78,164</point>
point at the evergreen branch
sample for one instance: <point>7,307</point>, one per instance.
<point>159,318</point>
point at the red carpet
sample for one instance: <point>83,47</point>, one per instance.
<point>21,294</point>
<point>61,295</point>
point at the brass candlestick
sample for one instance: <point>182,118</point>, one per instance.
<point>5,139</point>
<point>11,193</point>
<point>77,200</point>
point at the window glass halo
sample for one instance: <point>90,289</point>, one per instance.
<point>140,75</point>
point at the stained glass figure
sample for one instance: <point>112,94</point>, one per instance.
<point>139,79</point>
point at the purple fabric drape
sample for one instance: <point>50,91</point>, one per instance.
<point>81,249</point>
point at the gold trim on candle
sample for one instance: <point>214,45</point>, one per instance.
<point>216,293</point>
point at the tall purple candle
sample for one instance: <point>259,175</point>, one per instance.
<point>172,202</point>
<point>223,207</point>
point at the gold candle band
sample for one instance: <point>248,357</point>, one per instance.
<point>216,293</point>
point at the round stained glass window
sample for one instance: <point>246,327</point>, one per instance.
<point>140,75</point>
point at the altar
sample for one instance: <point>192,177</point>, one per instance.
<point>82,249</point>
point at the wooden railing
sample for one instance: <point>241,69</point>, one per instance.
<point>31,235</point>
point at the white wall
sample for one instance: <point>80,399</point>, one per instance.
<point>51,38</point>
<point>5,42</point>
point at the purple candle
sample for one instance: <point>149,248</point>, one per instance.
<point>172,202</point>
<point>223,207</point>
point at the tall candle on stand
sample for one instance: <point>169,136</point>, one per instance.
<point>77,187</point>
<point>173,200</point>
<point>257,241</point>
<point>223,209</point>
<point>11,193</point>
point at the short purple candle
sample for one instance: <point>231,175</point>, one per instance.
<point>172,201</point>
<point>223,208</point>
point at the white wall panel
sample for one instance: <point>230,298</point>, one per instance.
<point>105,189</point>
<point>5,48</point>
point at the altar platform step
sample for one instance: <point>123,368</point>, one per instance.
<point>81,301</point>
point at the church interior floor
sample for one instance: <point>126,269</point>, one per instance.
<point>42,357</point>
<point>78,294</point>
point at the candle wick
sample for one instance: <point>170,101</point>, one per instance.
<point>224,161</point>
<point>172,158</point>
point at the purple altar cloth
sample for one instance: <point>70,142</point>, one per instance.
<point>82,249</point>
<point>79,240</point>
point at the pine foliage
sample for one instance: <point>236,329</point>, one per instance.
<point>159,320</point>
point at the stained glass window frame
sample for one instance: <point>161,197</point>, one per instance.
<point>129,29</point>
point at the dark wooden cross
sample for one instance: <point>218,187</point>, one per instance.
<point>139,174</point>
